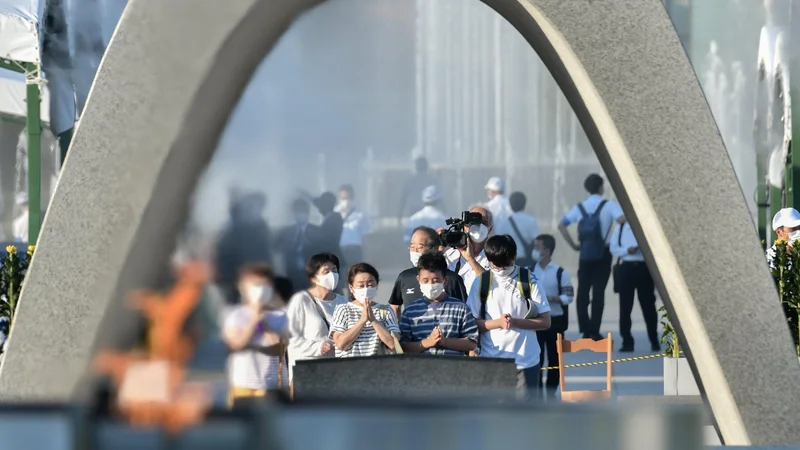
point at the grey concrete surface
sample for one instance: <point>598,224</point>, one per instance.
<point>175,69</point>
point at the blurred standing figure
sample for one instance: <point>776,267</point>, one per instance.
<point>329,233</point>
<point>522,227</point>
<point>244,240</point>
<point>255,332</point>
<point>786,224</point>
<point>595,217</point>
<point>20,225</point>
<point>498,202</point>
<point>310,312</point>
<point>355,226</point>
<point>429,216</point>
<point>295,243</point>
<point>412,190</point>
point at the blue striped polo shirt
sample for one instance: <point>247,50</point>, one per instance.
<point>451,315</point>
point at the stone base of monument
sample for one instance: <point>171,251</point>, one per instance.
<point>404,376</point>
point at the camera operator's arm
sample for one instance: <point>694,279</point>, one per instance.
<point>466,253</point>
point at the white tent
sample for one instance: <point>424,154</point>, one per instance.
<point>21,23</point>
<point>12,96</point>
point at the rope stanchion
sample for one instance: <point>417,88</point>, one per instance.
<point>615,361</point>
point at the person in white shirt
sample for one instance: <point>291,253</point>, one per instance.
<point>786,225</point>
<point>595,217</point>
<point>356,225</point>
<point>20,225</point>
<point>507,321</point>
<point>558,286</point>
<point>631,276</point>
<point>520,226</point>
<point>498,203</point>
<point>255,331</point>
<point>470,261</point>
<point>429,216</point>
<point>310,312</point>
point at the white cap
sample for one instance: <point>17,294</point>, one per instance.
<point>495,184</point>
<point>22,198</point>
<point>787,217</point>
<point>431,194</point>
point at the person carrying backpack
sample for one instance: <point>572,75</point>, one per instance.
<point>509,307</point>
<point>595,217</point>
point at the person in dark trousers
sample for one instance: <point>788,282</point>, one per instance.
<point>406,288</point>
<point>558,287</point>
<point>595,218</point>
<point>632,277</point>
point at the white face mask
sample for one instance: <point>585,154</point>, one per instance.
<point>259,293</point>
<point>794,235</point>
<point>536,255</point>
<point>328,280</point>
<point>505,272</point>
<point>414,257</point>
<point>364,294</point>
<point>432,291</point>
<point>478,233</point>
<point>345,204</point>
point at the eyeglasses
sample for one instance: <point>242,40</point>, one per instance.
<point>419,248</point>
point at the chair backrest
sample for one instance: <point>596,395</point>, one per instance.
<point>602,346</point>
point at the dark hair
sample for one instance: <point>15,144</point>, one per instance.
<point>421,164</point>
<point>432,235</point>
<point>283,287</point>
<point>548,241</point>
<point>347,188</point>
<point>300,205</point>
<point>257,270</point>
<point>501,250</point>
<point>433,262</point>
<point>361,267</point>
<point>325,202</point>
<point>517,200</point>
<point>593,183</point>
<point>319,260</point>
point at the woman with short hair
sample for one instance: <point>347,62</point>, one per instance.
<point>310,312</point>
<point>361,327</point>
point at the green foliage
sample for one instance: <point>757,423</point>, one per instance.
<point>12,272</point>
<point>787,280</point>
<point>669,337</point>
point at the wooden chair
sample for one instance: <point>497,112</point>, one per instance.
<point>565,346</point>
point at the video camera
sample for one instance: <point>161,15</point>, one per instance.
<point>454,235</point>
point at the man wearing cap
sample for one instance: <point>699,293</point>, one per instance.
<point>786,225</point>
<point>498,203</point>
<point>20,225</point>
<point>429,216</point>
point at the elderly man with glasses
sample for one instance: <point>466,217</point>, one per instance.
<point>406,288</point>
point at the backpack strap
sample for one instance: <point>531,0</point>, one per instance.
<point>619,238</point>
<point>582,210</point>
<point>527,246</point>
<point>596,212</point>
<point>486,283</point>
<point>558,278</point>
<point>524,281</point>
<point>458,265</point>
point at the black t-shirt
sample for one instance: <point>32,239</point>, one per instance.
<point>406,288</point>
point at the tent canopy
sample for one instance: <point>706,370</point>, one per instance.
<point>20,30</point>
<point>12,96</point>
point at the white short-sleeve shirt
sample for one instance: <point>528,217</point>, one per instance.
<point>505,298</point>
<point>453,257</point>
<point>608,215</point>
<point>249,368</point>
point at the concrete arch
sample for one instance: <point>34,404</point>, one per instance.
<point>174,71</point>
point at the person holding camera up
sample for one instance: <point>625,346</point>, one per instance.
<point>469,260</point>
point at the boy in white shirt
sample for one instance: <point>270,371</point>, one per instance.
<point>509,307</point>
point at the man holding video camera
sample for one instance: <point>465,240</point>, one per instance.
<point>464,240</point>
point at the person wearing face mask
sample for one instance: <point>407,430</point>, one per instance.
<point>255,333</point>
<point>469,262</point>
<point>786,225</point>
<point>310,312</point>
<point>429,216</point>
<point>557,285</point>
<point>509,307</point>
<point>406,288</point>
<point>521,226</point>
<point>355,225</point>
<point>437,324</point>
<point>296,244</point>
<point>498,203</point>
<point>362,327</point>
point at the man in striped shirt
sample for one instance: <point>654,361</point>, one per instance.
<point>437,324</point>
